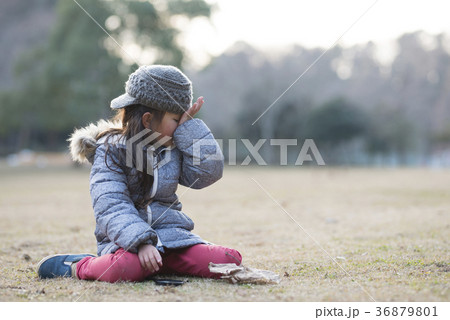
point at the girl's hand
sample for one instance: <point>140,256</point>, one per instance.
<point>149,257</point>
<point>189,114</point>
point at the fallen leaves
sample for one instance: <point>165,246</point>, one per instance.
<point>242,274</point>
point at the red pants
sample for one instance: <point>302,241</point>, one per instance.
<point>125,266</point>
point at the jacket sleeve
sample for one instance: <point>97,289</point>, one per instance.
<point>115,213</point>
<point>202,162</point>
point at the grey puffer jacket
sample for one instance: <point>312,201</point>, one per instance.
<point>119,224</point>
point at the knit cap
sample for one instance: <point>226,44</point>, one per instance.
<point>165,88</point>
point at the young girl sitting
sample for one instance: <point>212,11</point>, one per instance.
<point>138,159</point>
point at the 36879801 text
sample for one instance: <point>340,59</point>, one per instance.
<point>379,312</point>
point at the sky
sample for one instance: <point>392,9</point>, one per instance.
<point>278,24</point>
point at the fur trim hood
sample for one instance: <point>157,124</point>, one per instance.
<point>83,141</point>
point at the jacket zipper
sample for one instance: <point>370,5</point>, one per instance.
<point>154,189</point>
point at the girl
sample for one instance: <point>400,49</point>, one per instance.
<point>138,159</point>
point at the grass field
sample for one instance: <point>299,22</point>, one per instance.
<point>388,229</point>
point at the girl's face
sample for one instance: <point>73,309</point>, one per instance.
<point>167,126</point>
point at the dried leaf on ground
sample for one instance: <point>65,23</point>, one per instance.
<point>242,274</point>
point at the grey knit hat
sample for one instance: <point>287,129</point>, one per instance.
<point>162,87</point>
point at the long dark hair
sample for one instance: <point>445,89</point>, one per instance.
<point>131,119</point>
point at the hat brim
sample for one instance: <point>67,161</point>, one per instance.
<point>123,101</point>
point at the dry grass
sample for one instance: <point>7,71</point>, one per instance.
<point>389,229</point>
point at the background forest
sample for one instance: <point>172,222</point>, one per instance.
<point>60,70</point>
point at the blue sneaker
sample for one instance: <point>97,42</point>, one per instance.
<point>59,265</point>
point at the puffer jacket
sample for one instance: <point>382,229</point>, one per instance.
<point>119,223</point>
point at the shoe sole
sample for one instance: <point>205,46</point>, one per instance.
<point>55,255</point>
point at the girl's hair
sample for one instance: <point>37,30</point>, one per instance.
<point>131,119</point>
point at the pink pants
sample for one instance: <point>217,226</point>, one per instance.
<point>125,266</point>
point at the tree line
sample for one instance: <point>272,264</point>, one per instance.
<point>357,109</point>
